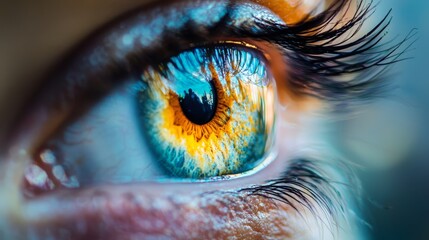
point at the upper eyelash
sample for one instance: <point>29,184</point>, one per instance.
<point>319,64</point>
<point>308,48</point>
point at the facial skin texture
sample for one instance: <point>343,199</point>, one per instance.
<point>40,35</point>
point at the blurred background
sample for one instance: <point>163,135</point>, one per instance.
<point>391,138</point>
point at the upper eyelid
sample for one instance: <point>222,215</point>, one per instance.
<point>115,53</point>
<point>73,78</point>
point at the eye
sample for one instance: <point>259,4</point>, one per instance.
<point>201,111</point>
<point>206,112</point>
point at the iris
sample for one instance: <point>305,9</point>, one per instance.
<point>205,111</point>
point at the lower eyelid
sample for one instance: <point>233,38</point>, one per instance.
<point>239,214</point>
<point>169,205</point>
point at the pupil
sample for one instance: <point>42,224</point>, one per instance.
<point>199,103</point>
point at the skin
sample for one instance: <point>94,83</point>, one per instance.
<point>47,31</point>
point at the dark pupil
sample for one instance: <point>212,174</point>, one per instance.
<point>199,104</point>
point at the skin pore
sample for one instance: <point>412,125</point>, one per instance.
<point>46,33</point>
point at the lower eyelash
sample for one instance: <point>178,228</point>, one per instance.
<point>306,183</point>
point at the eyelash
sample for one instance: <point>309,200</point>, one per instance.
<point>305,183</point>
<point>321,62</point>
<point>310,47</point>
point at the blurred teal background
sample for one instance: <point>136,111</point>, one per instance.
<point>396,188</point>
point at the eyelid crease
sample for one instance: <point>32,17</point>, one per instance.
<point>248,45</point>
